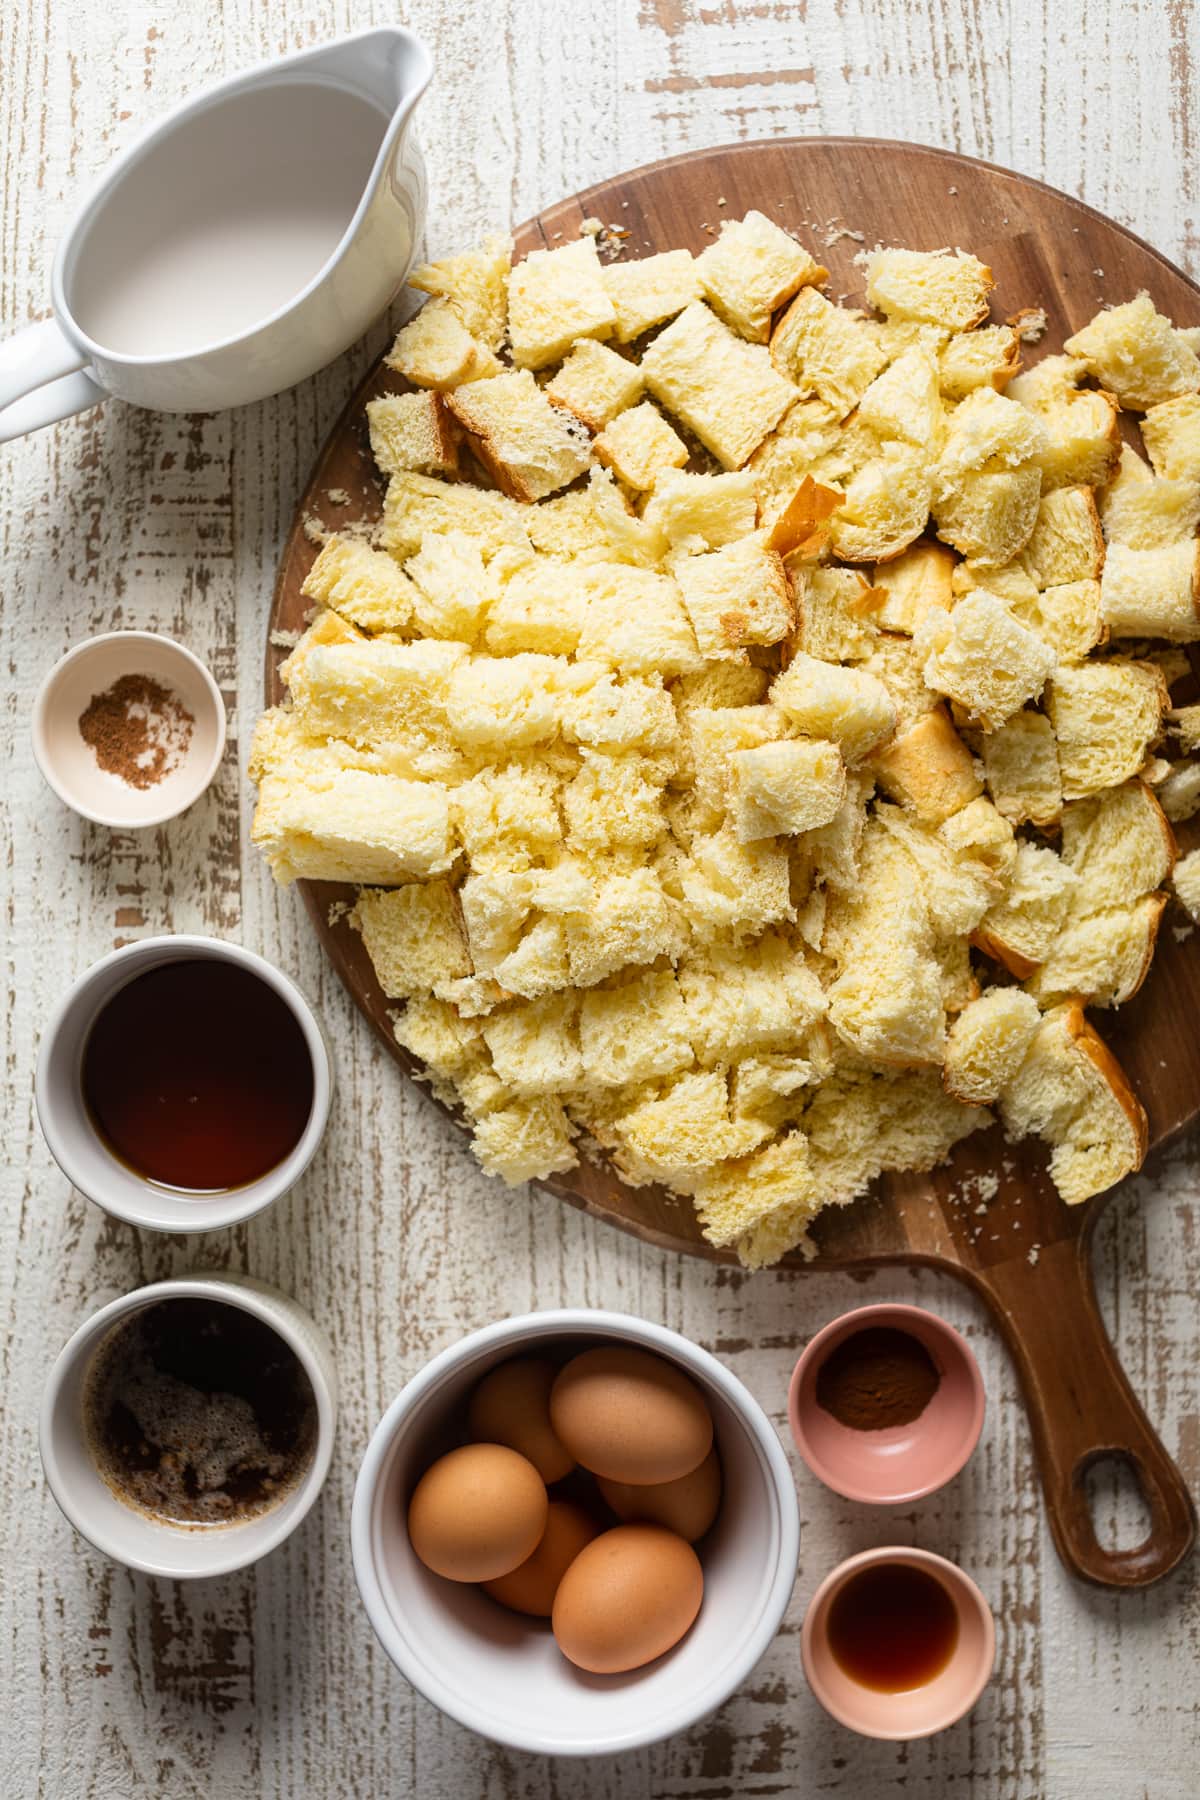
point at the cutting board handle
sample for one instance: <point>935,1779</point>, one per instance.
<point>1081,1410</point>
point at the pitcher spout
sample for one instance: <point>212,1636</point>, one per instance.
<point>386,65</point>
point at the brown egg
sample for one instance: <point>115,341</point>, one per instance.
<point>511,1406</point>
<point>628,1597</point>
<point>532,1587</point>
<point>630,1416</point>
<point>687,1506</point>
<point>477,1513</point>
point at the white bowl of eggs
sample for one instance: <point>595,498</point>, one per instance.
<point>575,1532</point>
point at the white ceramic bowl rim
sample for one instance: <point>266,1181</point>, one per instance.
<point>131,1197</point>
<point>583,1322</point>
<point>231,1546</point>
<point>204,773</point>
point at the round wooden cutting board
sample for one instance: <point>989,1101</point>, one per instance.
<point>1028,1254</point>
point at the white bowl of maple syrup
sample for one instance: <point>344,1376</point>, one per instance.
<point>183,1084</point>
<point>129,729</point>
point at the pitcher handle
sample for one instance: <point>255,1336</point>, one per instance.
<point>42,380</point>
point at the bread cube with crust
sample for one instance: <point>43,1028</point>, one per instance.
<point>827,350</point>
<point>1020,760</point>
<point>702,512</point>
<point>751,269</point>
<point>1152,593</point>
<point>1105,716</point>
<point>1179,793</point>
<point>1018,930</point>
<point>928,768</point>
<point>677,1135</point>
<point>1082,437</point>
<point>629,921</point>
<point>332,823</point>
<point>634,1033</point>
<point>568,526</point>
<point>366,586</point>
<point>988,514</point>
<point>496,904</point>
<point>1137,354</point>
<point>1119,845</point>
<point>911,583</point>
<point>526,1141</point>
<point>1186,882</point>
<point>1152,513</point>
<point>782,788</point>
<point>529,447</point>
<point>987,1043</point>
<point>837,610</point>
<point>885,505</point>
<point>416,504</point>
<point>595,384</point>
<point>1171,434</point>
<point>1071,1091</point>
<point>435,350</point>
<point>987,357</point>
<point>628,538</point>
<point>556,297</point>
<point>635,621</point>
<point>1066,543</point>
<point>735,1198</point>
<point>535,1044</point>
<point>413,935</point>
<point>507,814</point>
<point>638,445</point>
<point>896,663</point>
<point>502,703</point>
<point>723,389</point>
<point>937,287</point>
<point>716,733</point>
<point>982,658</point>
<point>374,693</point>
<point>905,402</point>
<point>328,628</point>
<point>1069,617</point>
<point>450,592</point>
<point>614,802</point>
<point>736,596</point>
<point>540,607</point>
<point>648,290</point>
<point>847,706</point>
<point>413,431</point>
<point>476,285</point>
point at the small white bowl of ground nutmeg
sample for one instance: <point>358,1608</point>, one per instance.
<point>129,729</point>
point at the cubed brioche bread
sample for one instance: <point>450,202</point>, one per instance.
<point>823,349</point>
<point>702,512</point>
<point>988,431</point>
<point>987,357</point>
<point>928,768</point>
<point>348,824</point>
<point>413,935</point>
<point>595,384</point>
<point>913,582</point>
<point>987,1043</point>
<point>1105,716</point>
<point>723,389</point>
<point>885,506</point>
<point>416,504</point>
<point>988,514</point>
<point>847,706</point>
<point>733,1200</point>
<point>1066,543</point>
<point>1020,762</point>
<point>939,288</point>
<point>1144,510</point>
<point>365,586</point>
<point>836,614</point>
<point>648,290</point>
<point>1153,593</point>
<point>529,447</point>
<point>1136,354</point>
<point>413,431</point>
<point>1186,882</point>
<point>450,590</point>
<point>1103,959</point>
<point>905,401</point>
<point>677,1134</point>
<point>736,596</point>
<point>476,286</point>
<point>1018,930</point>
<point>1171,434</point>
<point>528,1140</point>
<point>1071,1091</point>
<point>1179,793</point>
<point>1119,845</point>
<point>638,445</point>
<point>435,349</point>
<point>786,787</point>
<point>556,297</point>
<point>750,271</point>
<point>982,658</point>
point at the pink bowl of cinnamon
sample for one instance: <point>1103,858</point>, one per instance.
<point>886,1404</point>
<point>129,729</point>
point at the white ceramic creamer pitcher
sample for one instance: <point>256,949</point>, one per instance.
<point>237,246</point>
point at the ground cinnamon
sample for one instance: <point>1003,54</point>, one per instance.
<point>138,730</point>
<point>876,1378</point>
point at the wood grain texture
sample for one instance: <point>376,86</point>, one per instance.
<point>270,1683</point>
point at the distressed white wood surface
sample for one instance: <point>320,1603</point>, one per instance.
<point>270,1683</point>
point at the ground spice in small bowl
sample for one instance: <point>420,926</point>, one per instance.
<point>137,730</point>
<point>876,1378</point>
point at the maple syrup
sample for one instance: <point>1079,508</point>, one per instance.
<point>892,1627</point>
<point>197,1075</point>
